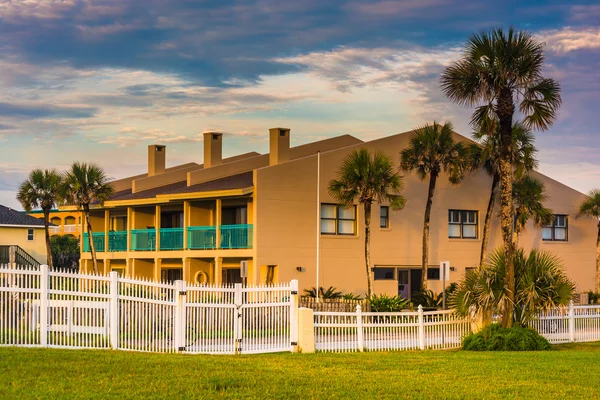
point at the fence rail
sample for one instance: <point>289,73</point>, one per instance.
<point>333,305</point>
<point>569,324</point>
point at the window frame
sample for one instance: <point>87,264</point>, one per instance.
<point>337,220</point>
<point>461,223</point>
<point>386,218</point>
<point>393,270</point>
<point>30,233</point>
<point>553,227</point>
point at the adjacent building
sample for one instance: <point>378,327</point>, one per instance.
<point>22,238</point>
<point>63,222</point>
<point>272,214</point>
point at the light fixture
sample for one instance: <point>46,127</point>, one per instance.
<point>299,269</point>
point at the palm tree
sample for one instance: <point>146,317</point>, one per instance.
<point>486,154</point>
<point>368,178</point>
<point>85,184</point>
<point>499,69</point>
<point>529,196</point>
<point>590,207</point>
<point>41,190</point>
<point>431,150</point>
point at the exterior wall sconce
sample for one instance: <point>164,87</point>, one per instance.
<point>300,269</point>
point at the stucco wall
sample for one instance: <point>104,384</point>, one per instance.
<point>18,236</point>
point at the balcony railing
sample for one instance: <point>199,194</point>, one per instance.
<point>236,236</point>
<point>70,228</point>
<point>143,239</point>
<point>171,238</point>
<point>117,241</point>
<point>202,237</point>
<point>98,238</point>
<point>54,230</point>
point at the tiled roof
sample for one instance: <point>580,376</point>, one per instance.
<point>8,216</point>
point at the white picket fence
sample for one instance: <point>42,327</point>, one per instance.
<point>359,331</point>
<point>569,324</point>
<point>73,310</point>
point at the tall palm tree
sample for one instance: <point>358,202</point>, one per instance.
<point>368,178</point>
<point>41,190</point>
<point>431,151</point>
<point>529,195</point>
<point>499,71</point>
<point>85,184</point>
<point>590,207</point>
<point>486,155</point>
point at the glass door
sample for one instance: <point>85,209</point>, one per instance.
<point>404,283</point>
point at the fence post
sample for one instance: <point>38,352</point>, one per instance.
<point>294,316</point>
<point>421,329</point>
<point>237,323</point>
<point>571,321</point>
<point>114,310</point>
<point>359,328</point>
<point>179,339</point>
<point>44,287</point>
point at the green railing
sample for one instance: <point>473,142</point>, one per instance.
<point>98,238</point>
<point>143,239</point>
<point>171,238</point>
<point>236,236</point>
<point>117,241</point>
<point>202,237</point>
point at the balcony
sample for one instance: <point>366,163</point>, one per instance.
<point>236,236</point>
<point>202,237</point>
<point>143,239</point>
<point>98,238</point>
<point>117,241</point>
<point>171,238</point>
<point>70,228</point>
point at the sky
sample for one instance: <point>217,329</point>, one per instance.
<point>100,80</point>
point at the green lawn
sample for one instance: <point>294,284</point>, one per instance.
<point>569,371</point>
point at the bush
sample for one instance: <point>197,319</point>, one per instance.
<point>495,338</point>
<point>593,298</point>
<point>385,303</point>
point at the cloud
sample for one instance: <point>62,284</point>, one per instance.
<point>585,13</point>
<point>129,136</point>
<point>571,39</point>
<point>45,111</point>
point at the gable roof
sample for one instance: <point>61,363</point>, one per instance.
<point>11,217</point>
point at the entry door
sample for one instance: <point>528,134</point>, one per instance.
<point>404,283</point>
<point>231,275</point>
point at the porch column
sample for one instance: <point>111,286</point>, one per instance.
<point>218,210</point>
<point>218,270</point>
<point>129,226</point>
<point>157,226</point>
<point>106,228</point>
<point>186,223</point>
<point>157,269</point>
<point>186,265</point>
<point>107,266</point>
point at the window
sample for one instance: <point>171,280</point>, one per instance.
<point>338,219</point>
<point>384,274</point>
<point>462,224</point>
<point>384,217</point>
<point>30,234</point>
<point>171,275</point>
<point>558,230</point>
<point>433,274</point>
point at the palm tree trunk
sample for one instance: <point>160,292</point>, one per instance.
<point>598,260</point>
<point>488,218</point>
<point>88,221</point>
<point>47,233</point>
<point>367,206</point>
<point>505,110</point>
<point>425,259</point>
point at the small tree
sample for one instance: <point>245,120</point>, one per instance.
<point>41,190</point>
<point>83,185</point>
<point>529,196</point>
<point>65,251</point>
<point>590,207</point>
<point>431,151</point>
<point>368,178</point>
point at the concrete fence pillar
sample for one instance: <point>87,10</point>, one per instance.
<point>306,330</point>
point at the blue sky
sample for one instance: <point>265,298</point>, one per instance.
<point>99,80</point>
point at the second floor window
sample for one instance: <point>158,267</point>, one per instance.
<point>338,220</point>
<point>384,217</point>
<point>462,224</point>
<point>558,230</point>
<point>30,234</point>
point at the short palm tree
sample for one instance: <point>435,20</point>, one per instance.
<point>529,196</point>
<point>498,72</point>
<point>368,178</point>
<point>590,207</point>
<point>41,190</point>
<point>486,155</point>
<point>85,184</point>
<point>431,151</point>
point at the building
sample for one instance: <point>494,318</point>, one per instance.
<point>199,222</point>
<point>22,236</point>
<point>63,222</point>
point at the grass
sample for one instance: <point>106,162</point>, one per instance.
<point>566,371</point>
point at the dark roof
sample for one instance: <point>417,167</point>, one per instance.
<point>8,216</point>
<point>238,181</point>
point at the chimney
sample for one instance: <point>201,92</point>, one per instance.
<point>279,145</point>
<point>213,149</point>
<point>156,159</point>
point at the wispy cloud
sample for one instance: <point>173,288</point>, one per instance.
<point>570,39</point>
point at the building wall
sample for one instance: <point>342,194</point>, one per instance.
<point>18,236</point>
<point>286,225</point>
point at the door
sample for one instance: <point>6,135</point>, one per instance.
<point>231,275</point>
<point>404,283</point>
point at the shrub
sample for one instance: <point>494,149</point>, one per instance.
<point>330,293</point>
<point>495,338</point>
<point>385,303</point>
<point>593,298</point>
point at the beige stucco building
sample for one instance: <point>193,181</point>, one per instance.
<point>19,230</point>
<point>200,221</point>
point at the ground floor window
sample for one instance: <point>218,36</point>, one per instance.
<point>171,274</point>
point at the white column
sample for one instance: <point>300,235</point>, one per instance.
<point>237,329</point>
<point>294,315</point>
<point>359,328</point>
<point>114,310</point>
<point>44,286</point>
<point>421,329</point>
<point>180,322</point>
<point>571,321</point>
